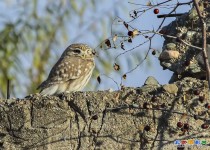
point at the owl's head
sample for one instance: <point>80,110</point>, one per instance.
<point>79,50</point>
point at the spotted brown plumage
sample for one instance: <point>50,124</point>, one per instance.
<point>71,72</point>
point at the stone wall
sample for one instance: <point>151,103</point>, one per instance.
<point>149,117</point>
<point>152,116</point>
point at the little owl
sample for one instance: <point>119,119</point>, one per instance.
<point>72,71</point>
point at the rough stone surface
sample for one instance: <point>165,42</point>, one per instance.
<point>169,54</point>
<point>170,88</point>
<point>151,81</point>
<point>188,61</point>
<point>126,119</point>
<point>132,118</point>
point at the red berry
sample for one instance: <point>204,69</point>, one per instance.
<point>201,98</point>
<point>154,98</point>
<point>147,128</point>
<point>187,63</point>
<point>130,33</point>
<point>196,92</point>
<point>179,124</point>
<point>204,126</point>
<point>183,130</point>
<point>195,117</point>
<point>95,117</point>
<point>163,105</point>
<point>145,105</point>
<point>186,126</point>
<point>156,11</point>
<point>207,105</point>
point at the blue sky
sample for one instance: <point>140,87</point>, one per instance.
<point>96,26</point>
<point>147,21</point>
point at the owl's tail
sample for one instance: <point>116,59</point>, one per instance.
<point>49,90</point>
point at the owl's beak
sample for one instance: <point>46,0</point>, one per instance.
<point>83,56</point>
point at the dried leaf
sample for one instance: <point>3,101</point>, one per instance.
<point>122,87</point>
<point>135,13</point>
<point>132,16</point>
<point>115,37</point>
<point>124,76</point>
<point>116,67</point>
<point>108,43</point>
<point>99,79</point>
<point>125,24</point>
<point>153,52</point>
<point>129,40</point>
<point>149,3</point>
<point>94,52</point>
<point>122,46</point>
<point>135,33</point>
<point>117,96</point>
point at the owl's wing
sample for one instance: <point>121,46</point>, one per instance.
<point>66,69</point>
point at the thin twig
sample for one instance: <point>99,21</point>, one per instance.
<point>169,15</point>
<point>174,37</point>
<point>112,80</point>
<point>201,17</point>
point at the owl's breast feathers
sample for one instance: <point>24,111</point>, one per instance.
<point>66,69</point>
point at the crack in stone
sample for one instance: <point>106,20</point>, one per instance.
<point>78,110</point>
<point>101,126</point>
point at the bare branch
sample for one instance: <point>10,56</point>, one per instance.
<point>201,17</point>
<point>168,15</point>
<point>174,37</point>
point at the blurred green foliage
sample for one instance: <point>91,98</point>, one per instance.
<point>30,30</point>
<point>35,33</point>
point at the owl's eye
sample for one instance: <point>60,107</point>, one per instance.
<point>77,51</point>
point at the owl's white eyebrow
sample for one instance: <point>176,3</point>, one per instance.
<point>75,49</point>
